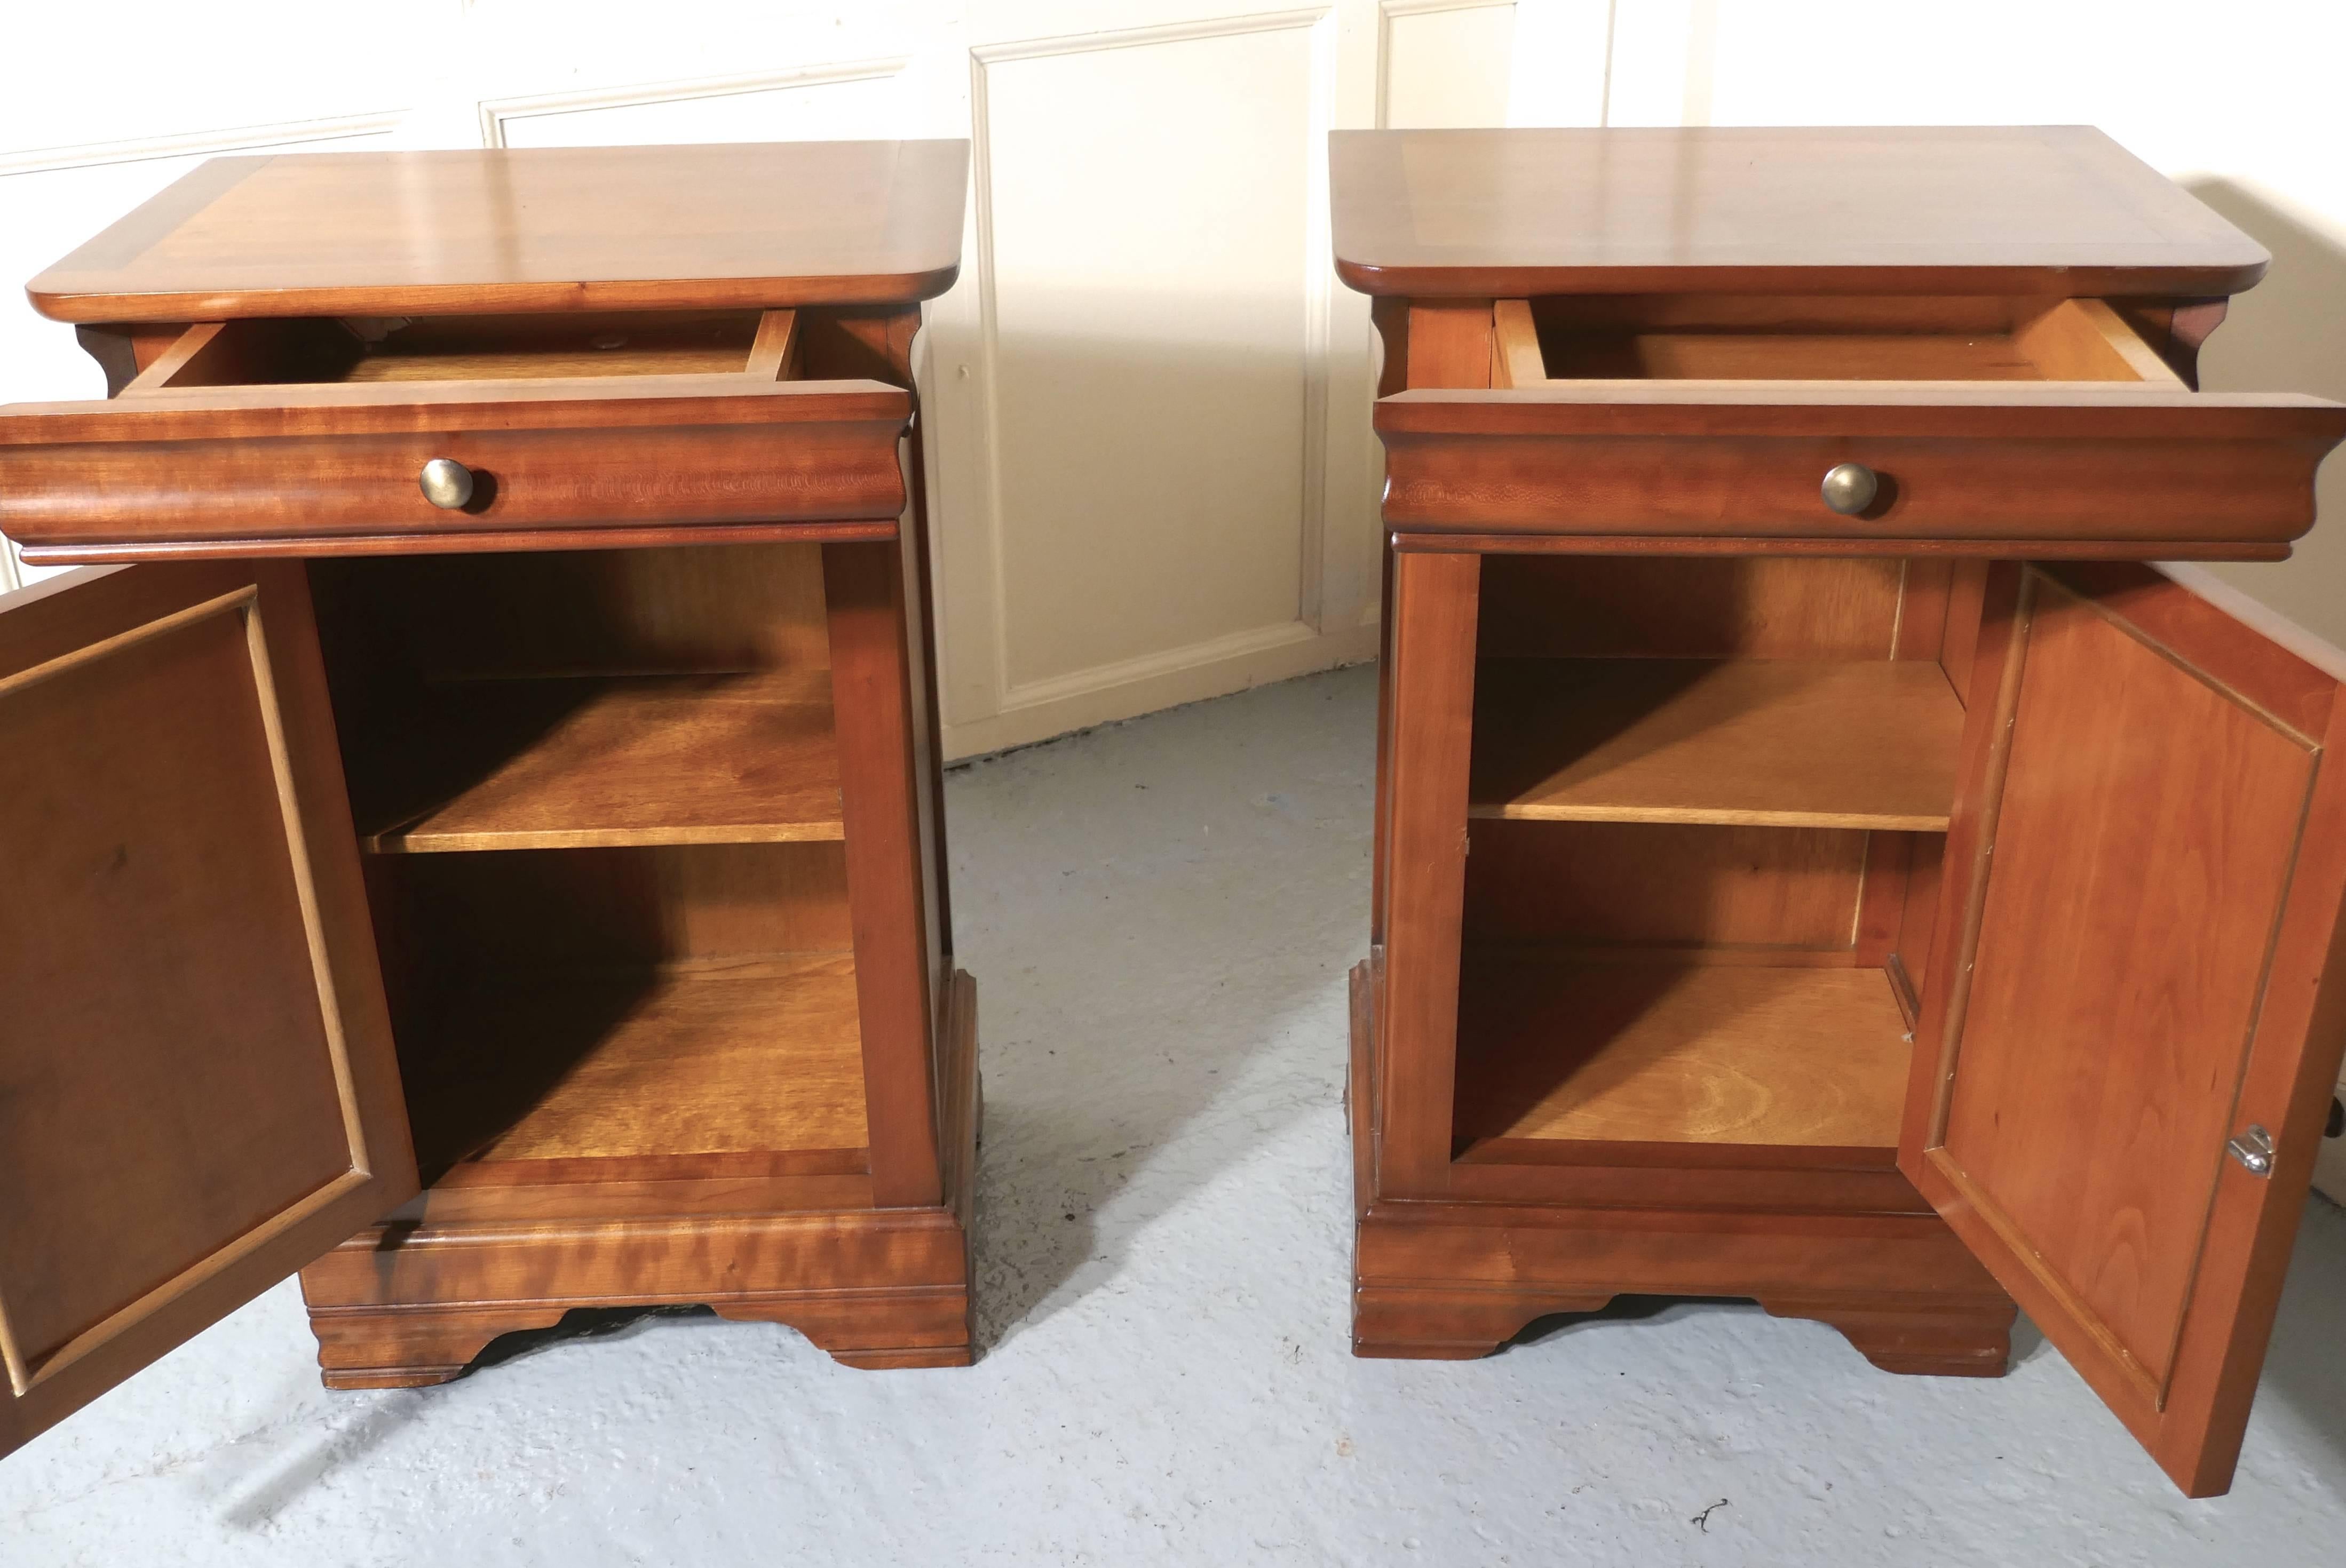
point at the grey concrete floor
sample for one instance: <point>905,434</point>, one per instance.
<point>1160,916</point>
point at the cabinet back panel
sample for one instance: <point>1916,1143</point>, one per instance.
<point>477,915</point>
<point>1718,606</point>
<point>1667,885</point>
<point>691,609</point>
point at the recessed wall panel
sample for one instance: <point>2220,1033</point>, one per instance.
<point>1150,301</point>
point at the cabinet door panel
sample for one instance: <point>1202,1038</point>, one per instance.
<point>2146,869</point>
<point>197,1092</point>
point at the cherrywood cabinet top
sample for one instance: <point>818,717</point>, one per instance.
<point>2040,209</point>
<point>547,228</point>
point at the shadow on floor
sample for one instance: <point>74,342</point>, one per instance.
<point>396,1409</point>
<point>2027,1341</point>
<point>2305,1372</point>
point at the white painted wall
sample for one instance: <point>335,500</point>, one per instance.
<point>1147,397</point>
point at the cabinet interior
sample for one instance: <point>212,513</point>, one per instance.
<point>599,795</point>
<point>1820,338</point>
<point>1708,800</point>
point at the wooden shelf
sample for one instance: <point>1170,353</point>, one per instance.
<point>1667,1053</point>
<point>549,764</point>
<point>1783,743</point>
<point>750,1056</point>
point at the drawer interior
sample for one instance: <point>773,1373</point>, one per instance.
<point>1818,337</point>
<point>311,350</point>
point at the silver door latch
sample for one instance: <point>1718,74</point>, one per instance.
<point>2254,1150</point>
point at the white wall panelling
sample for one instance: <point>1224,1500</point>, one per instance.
<point>843,101</point>
<point>1443,62</point>
<point>1149,384</point>
<point>1157,481</point>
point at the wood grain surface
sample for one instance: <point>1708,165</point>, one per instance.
<point>2144,973</point>
<point>303,461</point>
<point>1707,1053</point>
<point>750,1056</point>
<point>1431,647</point>
<point>2021,461</point>
<point>2047,209</point>
<point>1783,743</point>
<point>542,229</point>
<point>1448,1281</point>
<point>582,763</point>
<point>1692,607</point>
<point>1692,893</point>
<point>198,1091</point>
<point>413,1302</point>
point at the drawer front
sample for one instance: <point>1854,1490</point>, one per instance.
<point>111,474</point>
<point>2235,474</point>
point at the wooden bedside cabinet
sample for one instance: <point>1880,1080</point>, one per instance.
<point>486,854</point>
<point>1816,860</point>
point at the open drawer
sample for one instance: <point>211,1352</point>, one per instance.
<point>316,434</point>
<point>1978,424</point>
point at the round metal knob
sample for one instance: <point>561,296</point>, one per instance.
<point>1850,488</point>
<point>447,483</point>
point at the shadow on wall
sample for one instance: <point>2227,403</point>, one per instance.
<point>2288,334</point>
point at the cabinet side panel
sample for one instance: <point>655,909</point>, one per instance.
<point>885,789</point>
<point>1432,646</point>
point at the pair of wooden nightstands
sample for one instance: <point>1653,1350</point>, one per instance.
<point>486,853</point>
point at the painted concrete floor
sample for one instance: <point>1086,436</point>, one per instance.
<point>1160,916</point>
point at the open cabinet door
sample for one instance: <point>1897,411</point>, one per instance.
<point>197,1092</point>
<point>2119,1087</point>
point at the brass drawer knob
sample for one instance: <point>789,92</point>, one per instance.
<point>1850,488</point>
<point>447,483</point>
